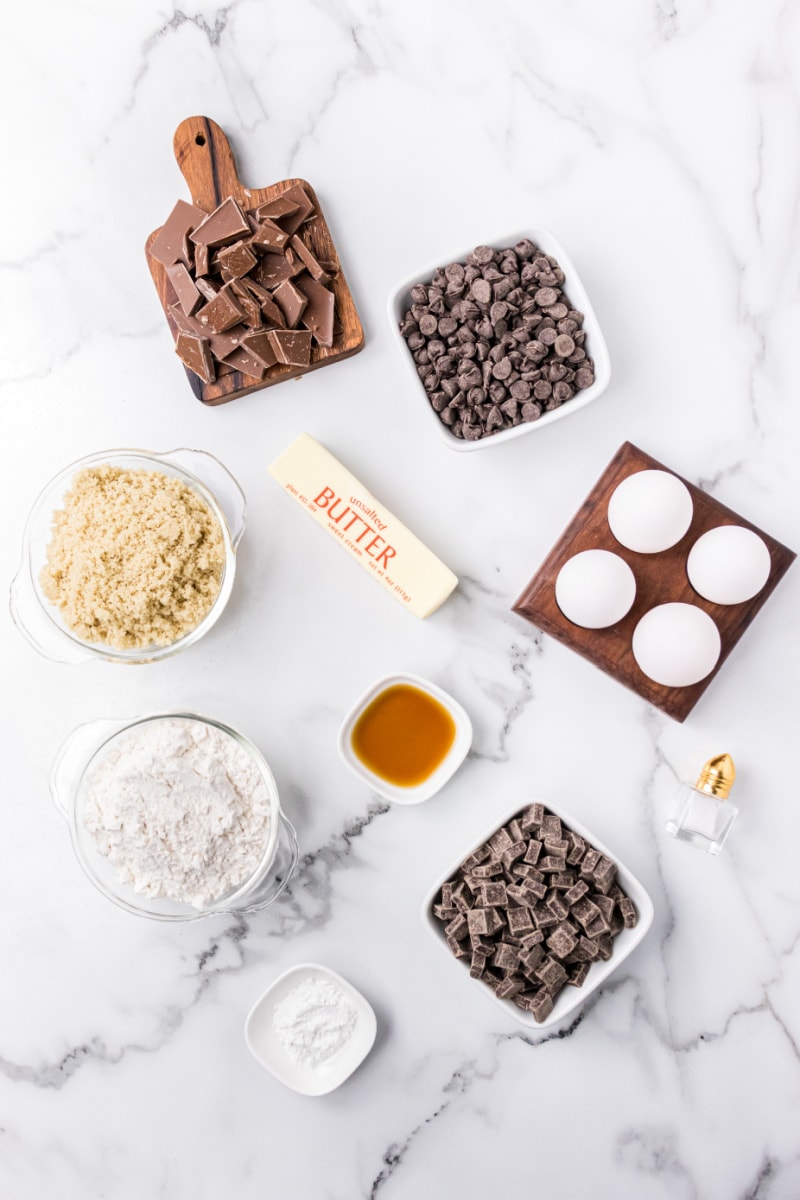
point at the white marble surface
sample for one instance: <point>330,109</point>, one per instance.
<point>659,140</point>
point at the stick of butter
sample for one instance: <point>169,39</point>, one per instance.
<point>368,531</point>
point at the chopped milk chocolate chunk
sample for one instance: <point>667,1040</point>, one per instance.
<point>202,258</point>
<point>318,316</point>
<point>269,236</point>
<point>225,224</point>
<point>206,288</point>
<point>237,259</point>
<point>247,363</point>
<point>309,261</point>
<point>167,247</point>
<point>272,269</point>
<point>250,306</point>
<point>257,344</point>
<point>221,313</point>
<point>195,352</point>
<point>273,210</point>
<point>291,347</point>
<point>188,296</point>
<point>292,302</point>
<point>291,222</point>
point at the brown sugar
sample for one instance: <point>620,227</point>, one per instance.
<point>136,558</point>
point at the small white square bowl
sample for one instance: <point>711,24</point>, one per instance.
<point>569,998</point>
<point>446,769</point>
<point>263,1043</point>
<point>400,302</point>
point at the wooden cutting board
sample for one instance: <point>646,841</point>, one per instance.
<point>660,579</point>
<point>206,160</point>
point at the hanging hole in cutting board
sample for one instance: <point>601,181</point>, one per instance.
<point>200,140</point>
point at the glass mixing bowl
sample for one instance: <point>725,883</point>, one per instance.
<point>41,623</point>
<point>85,746</point>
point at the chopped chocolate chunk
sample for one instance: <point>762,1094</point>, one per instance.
<point>290,222</point>
<point>505,957</point>
<point>185,290</point>
<point>202,258</point>
<point>221,313</point>
<point>478,921</point>
<point>292,302</point>
<point>274,210</point>
<point>457,928</point>
<point>225,224</point>
<point>291,346</point>
<point>269,236</point>
<point>272,269</point>
<point>309,260</point>
<point>509,987</point>
<point>167,247</point>
<point>576,974</point>
<point>237,259</point>
<point>318,315</point>
<point>628,910</point>
<point>248,364</point>
<point>493,895</point>
<point>520,921</point>
<point>195,352</point>
<point>562,941</point>
<point>257,344</point>
<point>499,842</point>
<point>541,1005</point>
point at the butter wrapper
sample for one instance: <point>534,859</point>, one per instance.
<point>370,534</point>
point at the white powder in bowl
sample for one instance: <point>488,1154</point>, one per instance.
<point>181,810</point>
<point>313,1021</point>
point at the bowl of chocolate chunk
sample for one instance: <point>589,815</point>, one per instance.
<point>500,341</point>
<point>128,556</point>
<point>538,913</point>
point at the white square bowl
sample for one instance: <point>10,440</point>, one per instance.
<point>263,1043</point>
<point>400,302</point>
<point>446,769</point>
<point>569,998</point>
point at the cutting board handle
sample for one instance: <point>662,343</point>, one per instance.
<point>206,160</point>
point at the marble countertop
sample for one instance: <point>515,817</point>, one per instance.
<point>659,141</point>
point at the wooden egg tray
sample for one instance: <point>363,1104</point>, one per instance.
<point>660,579</point>
<point>206,160</point>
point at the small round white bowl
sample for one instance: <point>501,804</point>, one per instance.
<point>263,1043</point>
<point>400,302</point>
<point>443,773</point>
<point>569,998</point>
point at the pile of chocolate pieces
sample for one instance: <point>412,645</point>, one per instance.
<point>249,291</point>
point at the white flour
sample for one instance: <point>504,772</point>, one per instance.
<point>313,1021</point>
<point>180,809</point>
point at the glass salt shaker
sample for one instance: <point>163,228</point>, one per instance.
<point>703,815</point>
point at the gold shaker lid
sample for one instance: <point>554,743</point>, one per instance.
<point>717,776</point>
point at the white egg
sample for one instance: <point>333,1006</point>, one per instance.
<point>650,511</point>
<point>595,589</point>
<point>676,644</point>
<point>728,565</point>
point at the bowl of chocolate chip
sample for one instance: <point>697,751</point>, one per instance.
<point>501,341</point>
<point>538,914</point>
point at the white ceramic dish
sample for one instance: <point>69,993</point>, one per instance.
<point>444,772</point>
<point>625,942</point>
<point>263,1044</point>
<point>400,302</point>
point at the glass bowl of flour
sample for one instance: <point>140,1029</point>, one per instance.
<point>174,816</point>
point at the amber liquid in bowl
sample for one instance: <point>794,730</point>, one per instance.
<point>403,735</point>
